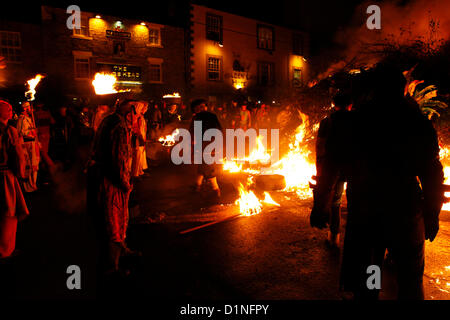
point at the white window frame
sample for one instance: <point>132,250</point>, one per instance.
<point>78,33</point>
<point>263,41</point>
<point>220,67</point>
<point>9,48</point>
<point>159,62</point>
<point>81,55</point>
<point>155,27</point>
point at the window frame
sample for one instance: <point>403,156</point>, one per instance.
<point>271,78</point>
<point>12,47</point>
<point>300,82</point>
<point>159,29</point>
<point>264,26</point>
<point>154,62</point>
<point>298,37</point>
<point>220,31</point>
<point>84,18</point>
<point>220,72</point>
<point>82,55</point>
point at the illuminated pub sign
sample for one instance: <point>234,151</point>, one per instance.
<point>118,34</point>
<point>122,72</point>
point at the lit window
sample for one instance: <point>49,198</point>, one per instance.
<point>154,37</point>
<point>265,37</point>
<point>214,27</point>
<point>10,46</point>
<point>297,77</point>
<point>155,74</point>
<point>265,73</point>
<point>214,68</point>
<point>84,30</point>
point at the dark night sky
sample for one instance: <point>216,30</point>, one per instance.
<point>319,17</point>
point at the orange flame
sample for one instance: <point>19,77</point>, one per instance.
<point>104,83</point>
<point>248,202</point>
<point>32,83</point>
<point>169,140</point>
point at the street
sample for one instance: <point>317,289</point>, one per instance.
<point>275,255</point>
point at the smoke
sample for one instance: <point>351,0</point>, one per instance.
<point>402,23</point>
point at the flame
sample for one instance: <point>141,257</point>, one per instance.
<point>104,83</point>
<point>169,140</point>
<point>268,199</point>
<point>32,83</point>
<point>174,95</point>
<point>259,155</point>
<point>444,154</point>
<point>232,166</point>
<point>295,165</point>
<point>446,206</point>
<point>248,202</point>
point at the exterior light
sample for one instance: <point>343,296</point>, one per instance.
<point>221,44</point>
<point>98,16</point>
<point>304,59</point>
<point>143,24</point>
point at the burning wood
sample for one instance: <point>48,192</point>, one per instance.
<point>248,202</point>
<point>295,166</point>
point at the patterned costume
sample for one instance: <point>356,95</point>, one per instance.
<point>140,134</point>
<point>28,132</point>
<point>13,208</point>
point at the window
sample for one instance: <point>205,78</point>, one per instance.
<point>154,37</point>
<point>297,80</point>
<point>82,69</point>
<point>297,44</point>
<point>265,37</point>
<point>155,70</point>
<point>265,73</point>
<point>214,68</point>
<point>83,32</point>
<point>214,27</point>
<point>154,74</point>
<point>10,46</point>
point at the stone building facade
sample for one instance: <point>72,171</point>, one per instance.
<point>146,58</point>
<point>232,55</point>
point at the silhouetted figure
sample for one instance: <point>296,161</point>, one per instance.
<point>109,185</point>
<point>208,121</point>
<point>389,152</point>
<point>12,168</point>
<point>342,105</point>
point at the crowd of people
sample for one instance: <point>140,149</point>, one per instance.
<point>402,159</point>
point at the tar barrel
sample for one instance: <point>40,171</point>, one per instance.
<point>270,182</point>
